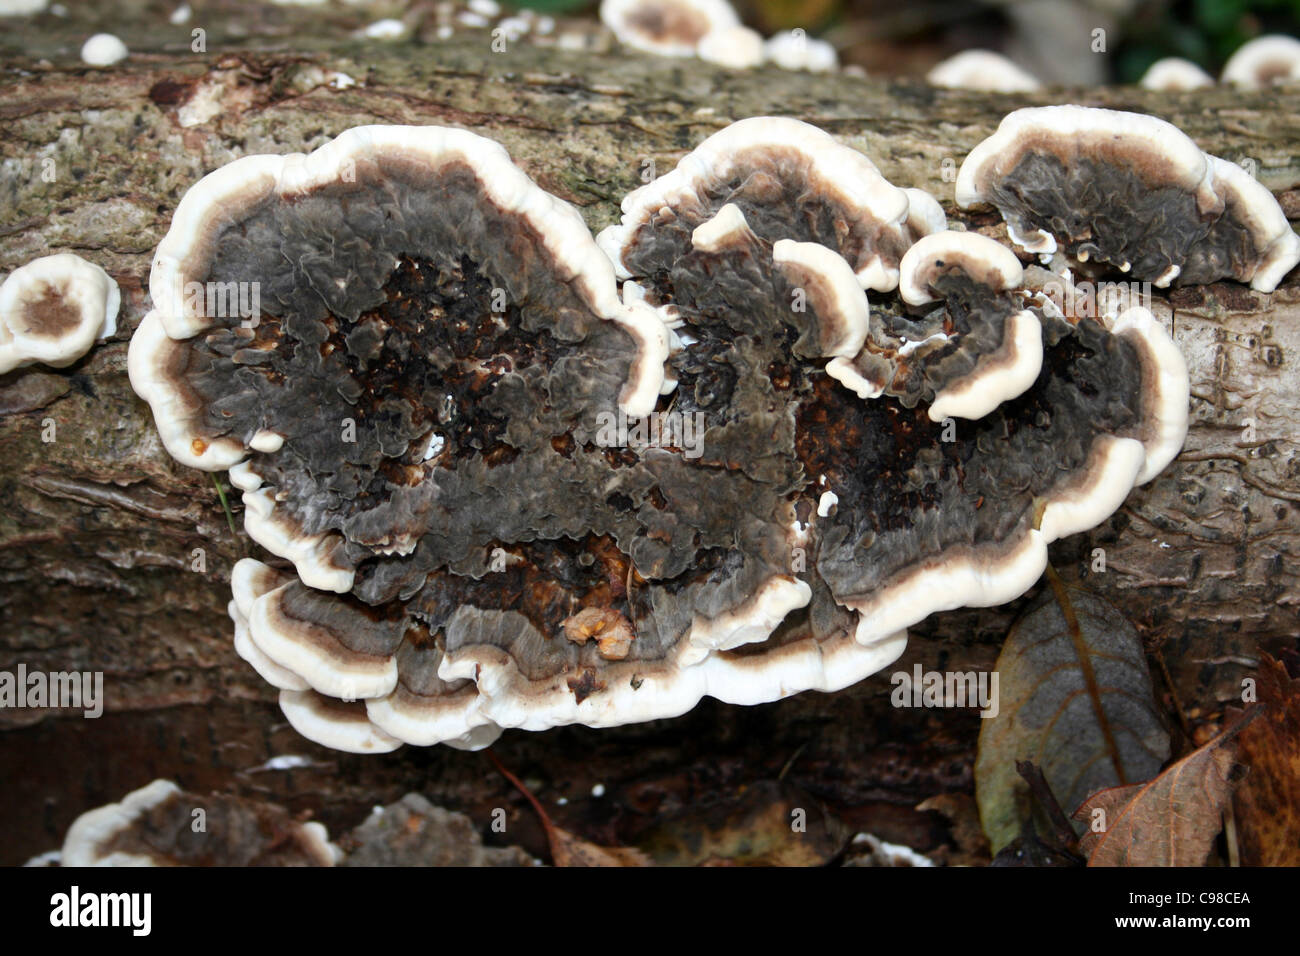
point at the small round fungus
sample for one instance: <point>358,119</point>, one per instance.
<point>103,49</point>
<point>1175,75</point>
<point>982,70</point>
<point>1129,193</point>
<point>1263,62</point>
<point>795,50</point>
<point>387,29</point>
<point>737,47</point>
<point>667,27</point>
<point>53,309</point>
<point>22,8</point>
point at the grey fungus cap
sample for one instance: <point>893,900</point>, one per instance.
<point>1129,194</point>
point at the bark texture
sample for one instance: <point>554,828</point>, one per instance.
<point>99,528</point>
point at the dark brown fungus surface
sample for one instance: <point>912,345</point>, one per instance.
<point>900,514</point>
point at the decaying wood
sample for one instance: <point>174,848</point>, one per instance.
<point>99,528</point>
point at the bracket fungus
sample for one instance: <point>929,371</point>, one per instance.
<point>155,826</point>
<point>736,47</point>
<point>1130,193</point>
<point>512,498</point>
<point>667,27</point>
<point>1263,62</point>
<point>386,269</point>
<point>795,50</point>
<point>993,348</point>
<point>982,70</point>
<point>897,521</point>
<point>53,309</point>
<point>790,180</point>
<point>1175,75</point>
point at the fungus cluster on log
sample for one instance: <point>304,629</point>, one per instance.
<point>508,496</point>
<point>712,31</point>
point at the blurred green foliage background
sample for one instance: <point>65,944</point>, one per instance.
<point>1203,31</point>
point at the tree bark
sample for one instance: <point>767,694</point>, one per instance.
<point>99,527</point>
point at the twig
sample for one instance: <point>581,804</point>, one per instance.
<point>1042,791</point>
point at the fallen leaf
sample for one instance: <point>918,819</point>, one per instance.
<point>1029,850</point>
<point>1267,801</point>
<point>1171,821</point>
<point>1089,722</point>
<point>568,850</point>
<point>1111,803</point>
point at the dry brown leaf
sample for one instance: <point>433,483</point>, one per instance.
<point>1267,801</point>
<point>1049,715</point>
<point>1111,802</point>
<point>568,850</point>
<point>1172,820</point>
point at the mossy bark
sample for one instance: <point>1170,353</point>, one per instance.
<point>115,559</point>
